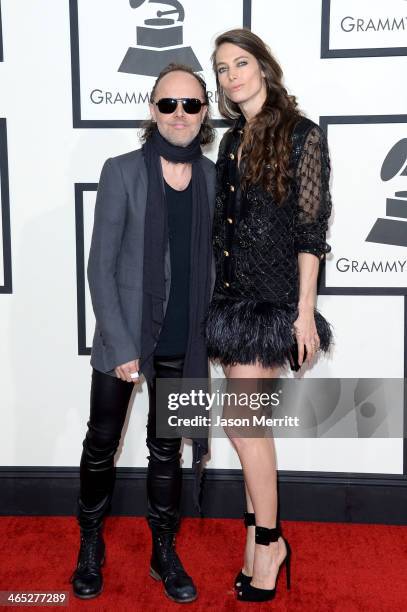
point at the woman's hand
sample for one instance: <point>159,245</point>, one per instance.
<point>305,328</point>
<point>306,334</point>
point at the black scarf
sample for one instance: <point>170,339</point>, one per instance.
<point>155,243</point>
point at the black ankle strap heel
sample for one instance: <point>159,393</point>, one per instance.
<point>241,578</point>
<point>264,536</point>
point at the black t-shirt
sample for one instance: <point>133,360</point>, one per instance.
<point>174,332</point>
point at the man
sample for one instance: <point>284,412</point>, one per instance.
<point>150,275</point>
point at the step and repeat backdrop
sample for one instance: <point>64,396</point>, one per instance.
<point>74,83</point>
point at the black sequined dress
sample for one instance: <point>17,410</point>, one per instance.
<point>256,245</point>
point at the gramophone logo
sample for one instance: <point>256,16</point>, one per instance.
<point>159,42</point>
<point>369,227</point>
<point>393,231</point>
<point>118,48</point>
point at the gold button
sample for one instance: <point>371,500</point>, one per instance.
<point>226,253</point>
<point>231,156</point>
<point>227,284</point>
<point>232,188</point>
<point>230,220</point>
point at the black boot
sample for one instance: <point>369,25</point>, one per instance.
<point>87,579</point>
<point>167,566</point>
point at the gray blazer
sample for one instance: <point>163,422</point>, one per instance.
<point>115,266</point>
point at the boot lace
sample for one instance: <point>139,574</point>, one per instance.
<point>88,556</point>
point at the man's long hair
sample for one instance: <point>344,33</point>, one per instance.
<point>267,142</point>
<point>206,132</point>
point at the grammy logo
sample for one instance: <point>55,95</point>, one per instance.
<point>159,42</point>
<point>392,231</point>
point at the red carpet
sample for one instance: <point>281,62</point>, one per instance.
<point>335,567</point>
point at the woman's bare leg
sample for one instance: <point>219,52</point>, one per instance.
<point>250,532</point>
<point>258,460</point>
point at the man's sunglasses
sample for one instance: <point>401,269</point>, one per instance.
<point>192,106</point>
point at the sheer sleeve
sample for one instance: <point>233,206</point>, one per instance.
<point>314,199</point>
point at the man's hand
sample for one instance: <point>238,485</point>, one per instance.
<point>125,371</point>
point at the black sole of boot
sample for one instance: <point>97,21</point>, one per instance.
<point>157,577</point>
<point>88,596</point>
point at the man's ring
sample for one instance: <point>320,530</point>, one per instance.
<point>134,375</point>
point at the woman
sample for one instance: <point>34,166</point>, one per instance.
<point>271,215</point>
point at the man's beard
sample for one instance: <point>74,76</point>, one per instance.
<point>180,141</point>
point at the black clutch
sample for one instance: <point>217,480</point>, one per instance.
<point>295,366</point>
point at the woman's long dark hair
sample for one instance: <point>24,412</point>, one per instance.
<point>267,141</point>
<point>207,132</point>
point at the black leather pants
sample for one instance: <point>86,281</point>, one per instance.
<point>109,401</point>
